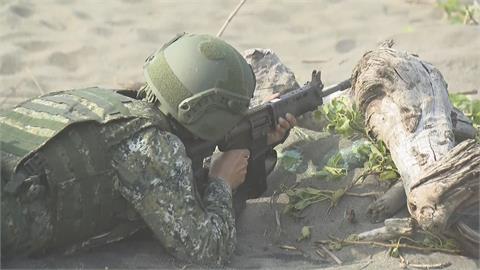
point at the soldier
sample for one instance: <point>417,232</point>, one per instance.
<point>91,166</point>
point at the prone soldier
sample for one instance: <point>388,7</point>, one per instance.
<point>84,167</point>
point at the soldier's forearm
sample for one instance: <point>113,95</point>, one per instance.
<point>191,233</point>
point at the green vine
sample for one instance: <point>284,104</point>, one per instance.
<point>424,241</point>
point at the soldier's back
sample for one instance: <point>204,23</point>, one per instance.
<point>58,183</point>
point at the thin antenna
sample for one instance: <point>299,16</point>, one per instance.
<point>220,32</point>
<point>32,77</point>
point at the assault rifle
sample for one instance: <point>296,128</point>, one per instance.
<point>251,133</point>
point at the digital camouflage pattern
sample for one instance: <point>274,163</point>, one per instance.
<point>272,76</point>
<point>78,185</point>
<point>156,177</point>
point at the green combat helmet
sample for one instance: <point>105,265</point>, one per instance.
<point>202,82</point>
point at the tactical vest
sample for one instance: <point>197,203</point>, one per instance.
<point>62,140</point>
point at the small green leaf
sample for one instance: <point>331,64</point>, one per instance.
<point>394,252</point>
<point>450,244</point>
<point>299,206</point>
<point>305,233</point>
<point>290,160</point>
<point>388,175</point>
<point>312,191</point>
<point>353,237</point>
<point>336,196</point>
<point>335,172</point>
<point>334,246</point>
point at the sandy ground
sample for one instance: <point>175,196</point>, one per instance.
<point>62,44</point>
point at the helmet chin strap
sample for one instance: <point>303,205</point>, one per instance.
<point>183,133</point>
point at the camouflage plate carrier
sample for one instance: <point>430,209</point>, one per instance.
<point>58,184</point>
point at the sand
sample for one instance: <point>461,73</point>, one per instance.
<point>52,45</point>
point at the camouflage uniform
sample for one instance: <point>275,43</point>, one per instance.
<point>92,166</point>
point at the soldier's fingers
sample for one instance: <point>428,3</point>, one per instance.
<point>291,119</point>
<point>279,131</point>
<point>283,123</point>
<point>271,97</point>
<point>241,152</point>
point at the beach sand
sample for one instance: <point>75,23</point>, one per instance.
<point>52,45</point>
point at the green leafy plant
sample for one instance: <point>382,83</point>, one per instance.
<point>458,12</point>
<point>342,116</point>
<point>334,169</point>
<point>376,156</point>
<point>432,240</point>
<point>380,162</point>
<point>301,198</point>
<point>425,240</point>
<point>469,107</point>
<point>428,242</point>
<point>290,160</point>
<point>453,9</point>
<point>344,119</point>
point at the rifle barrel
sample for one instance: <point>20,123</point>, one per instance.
<point>341,86</point>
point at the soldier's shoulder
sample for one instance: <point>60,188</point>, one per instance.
<point>160,141</point>
<point>149,159</point>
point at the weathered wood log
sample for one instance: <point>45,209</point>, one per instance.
<point>394,227</point>
<point>405,103</point>
<point>462,126</point>
<point>388,204</point>
<point>394,199</point>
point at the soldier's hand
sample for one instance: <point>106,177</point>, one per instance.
<point>231,166</point>
<point>283,126</point>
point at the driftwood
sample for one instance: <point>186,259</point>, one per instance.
<point>405,103</point>
<point>394,228</point>
<point>462,126</point>
<point>388,204</point>
<point>394,199</point>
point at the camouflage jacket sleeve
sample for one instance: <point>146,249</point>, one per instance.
<point>156,177</point>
